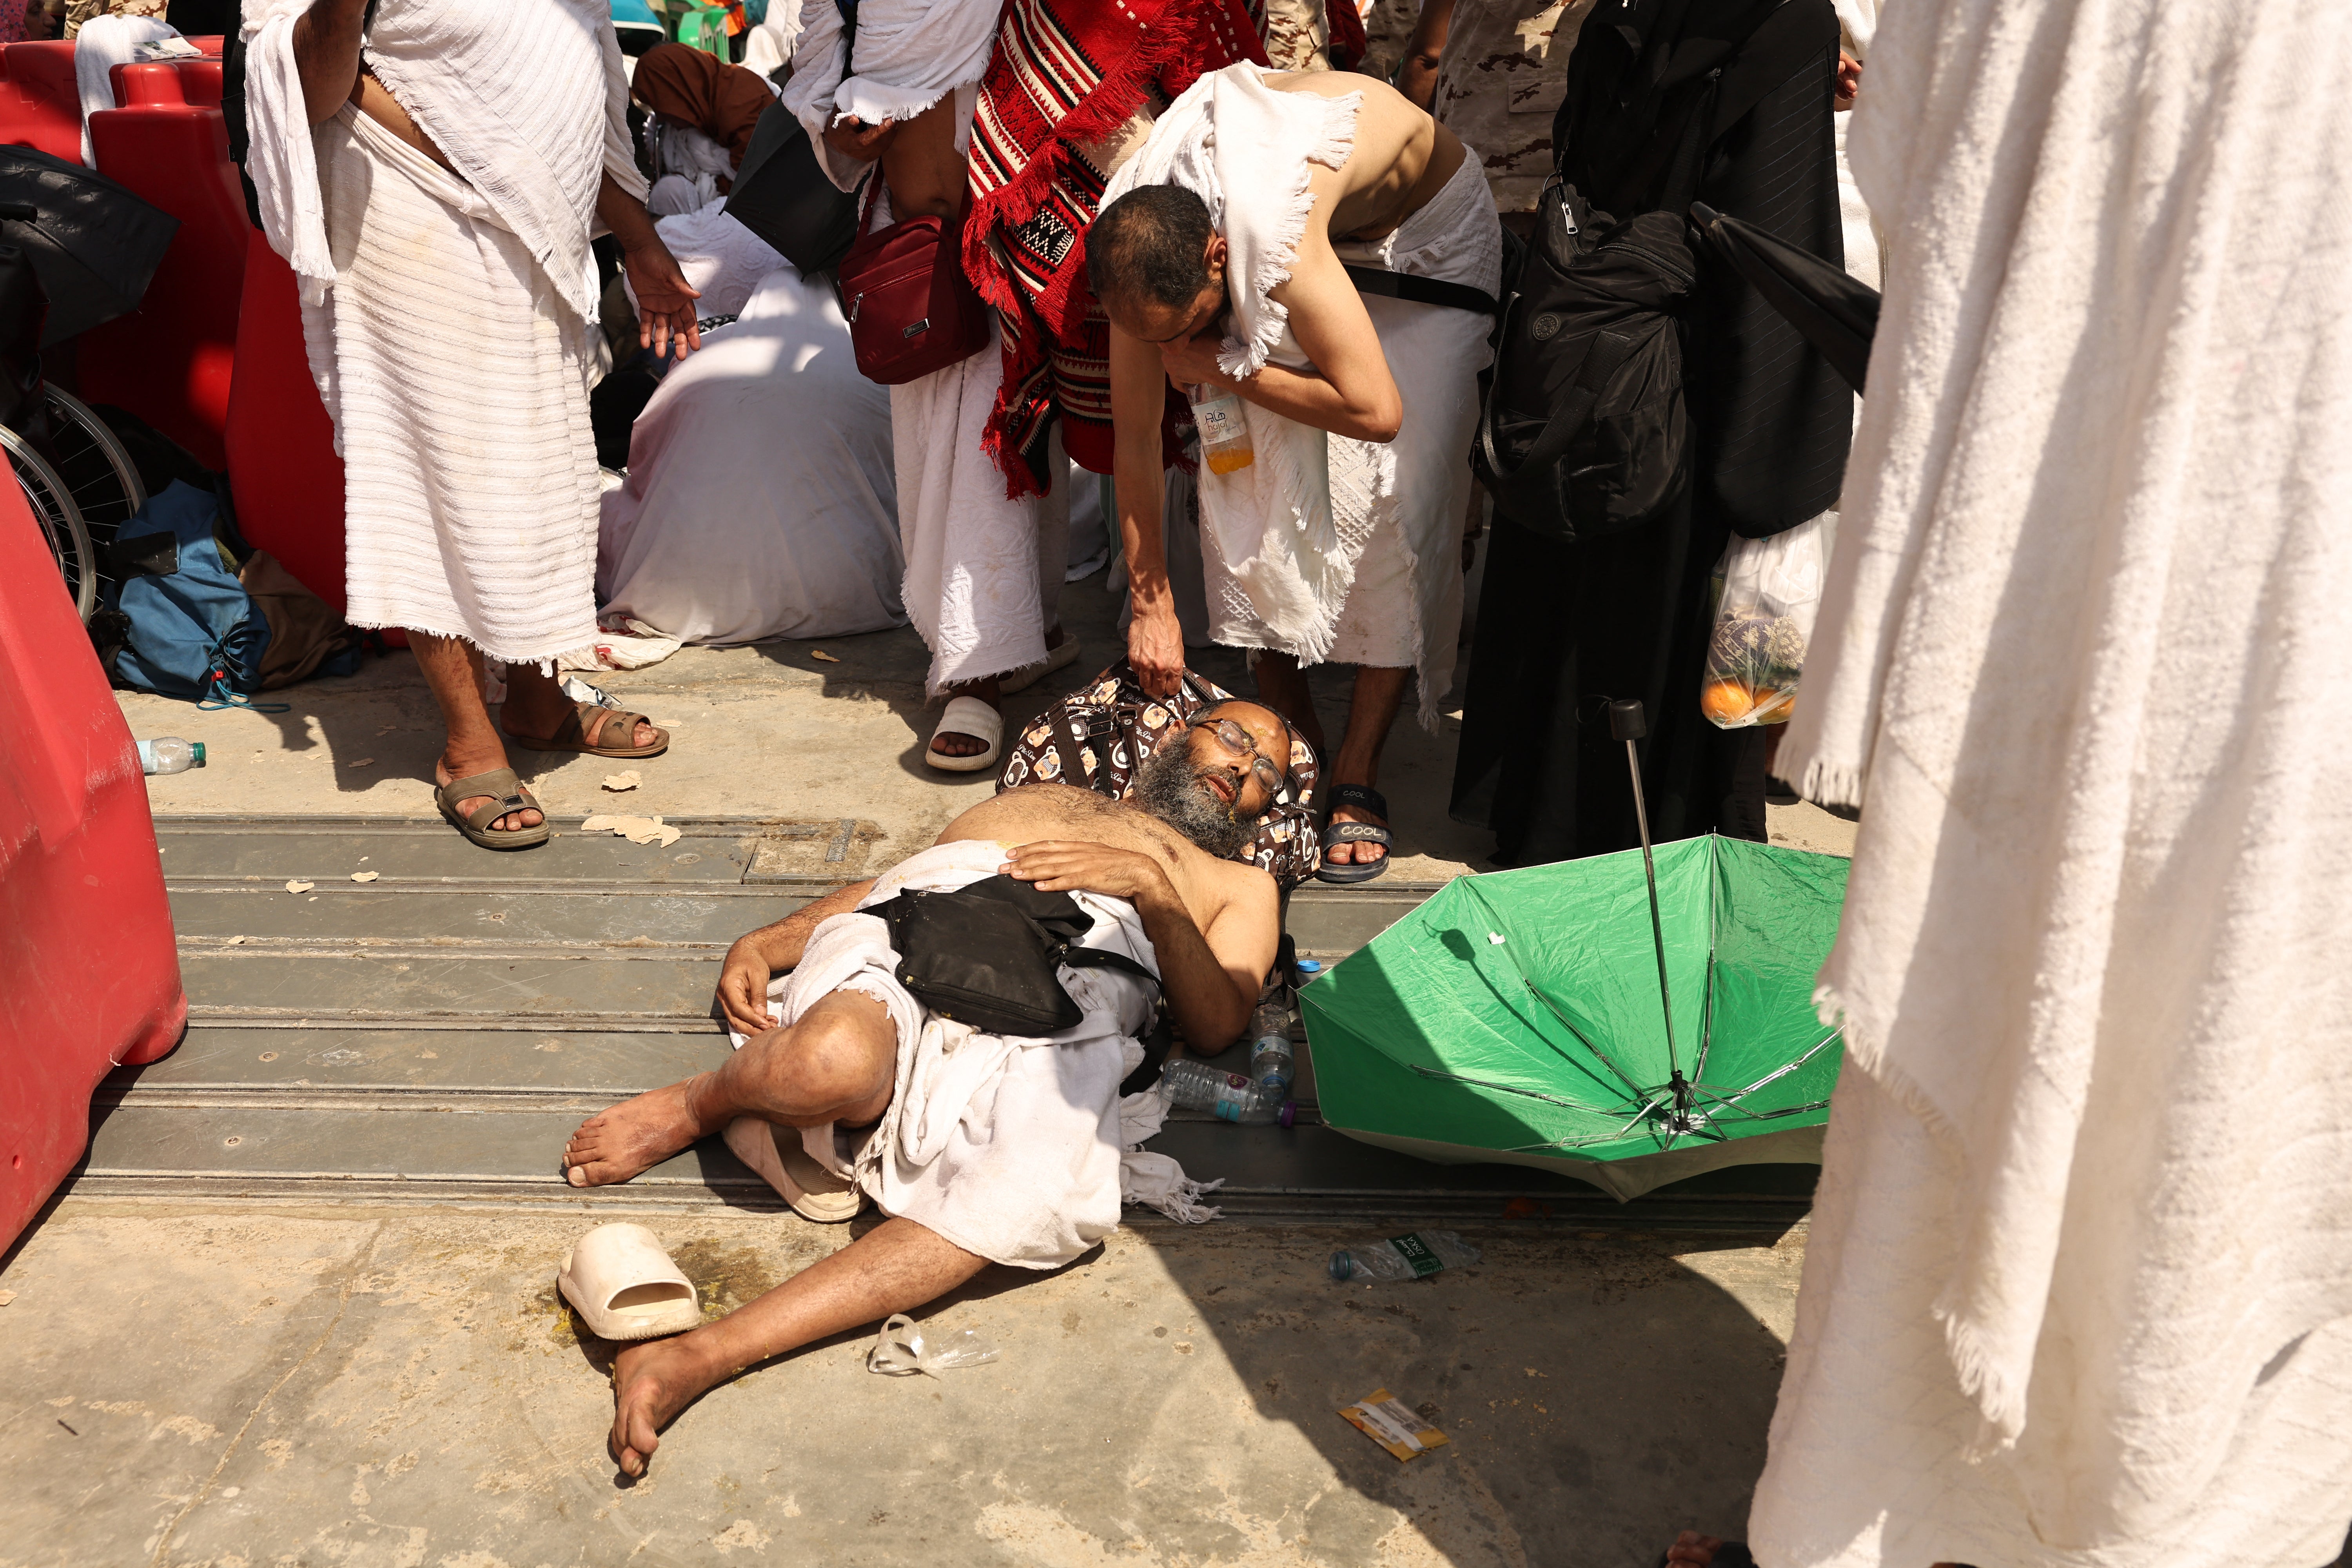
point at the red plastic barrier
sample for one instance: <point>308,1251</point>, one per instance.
<point>89,974</point>
<point>283,472</point>
<point>40,106</point>
<point>168,81</point>
<point>169,361</point>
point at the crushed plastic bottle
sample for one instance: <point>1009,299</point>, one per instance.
<point>1270,1055</point>
<point>1225,444</point>
<point>1413,1256</point>
<point>1228,1096</point>
<point>170,754</point>
<point>902,1350</point>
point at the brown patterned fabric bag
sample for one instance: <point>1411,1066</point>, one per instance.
<point>1099,736</point>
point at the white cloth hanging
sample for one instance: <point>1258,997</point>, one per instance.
<point>2082,1250</point>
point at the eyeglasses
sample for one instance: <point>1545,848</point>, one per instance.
<point>1238,740</point>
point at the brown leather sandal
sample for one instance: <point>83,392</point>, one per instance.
<point>574,735</point>
<point>507,794</point>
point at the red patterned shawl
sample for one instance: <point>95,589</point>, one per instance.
<point>1066,74</point>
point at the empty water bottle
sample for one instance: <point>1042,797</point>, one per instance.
<point>1225,444</point>
<point>169,755</point>
<point>1414,1257</point>
<point>1228,1096</point>
<point>1270,1057</point>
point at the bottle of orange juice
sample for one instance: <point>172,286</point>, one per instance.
<point>1225,444</point>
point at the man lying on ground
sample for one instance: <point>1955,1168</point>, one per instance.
<point>979,1147</point>
<point>1221,265</point>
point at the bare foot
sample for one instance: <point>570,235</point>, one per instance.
<point>1692,1550</point>
<point>634,1136</point>
<point>1356,851</point>
<point>652,1381</point>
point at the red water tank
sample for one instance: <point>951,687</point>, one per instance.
<point>169,361</point>
<point>283,472</point>
<point>168,81</point>
<point>89,974</point>
<point>40,106</point>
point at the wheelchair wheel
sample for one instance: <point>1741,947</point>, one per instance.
<point>95,465</point>
<point>61,522</point>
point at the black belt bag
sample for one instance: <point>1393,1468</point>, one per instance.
<point>990,955</point>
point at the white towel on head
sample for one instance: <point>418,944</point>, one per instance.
<point>103,43</point>
<point>1242,148</point>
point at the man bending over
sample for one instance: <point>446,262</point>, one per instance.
<point>1221,258</point>
<point>979,1147</point>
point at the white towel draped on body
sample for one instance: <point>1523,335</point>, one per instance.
<point>447,316</point>
<point>983,570</point>
<point>104,42</point>
<point>2084,1208</point>
<point>1327,548</point>
<point>1012,1148</point>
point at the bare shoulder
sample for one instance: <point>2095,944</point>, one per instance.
<point>1248,895</point>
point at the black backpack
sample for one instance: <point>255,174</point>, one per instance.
<point>1584,432</point>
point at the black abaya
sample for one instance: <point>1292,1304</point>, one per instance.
<point>1562,628</point>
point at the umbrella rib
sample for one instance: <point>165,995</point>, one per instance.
<point>1508,1088</point>
<point>1547,1044</point>
<point>1621,1075</point>
<point>1647,1106</point>
<point>1779,1072</point>
<point>1706,1001</point>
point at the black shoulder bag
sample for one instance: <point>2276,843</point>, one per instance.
<point>783,194</point>
<point>988,954</point>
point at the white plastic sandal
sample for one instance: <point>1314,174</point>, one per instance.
<point>626,1287</point>
<point>967,716</point>
<point>784,1164</point>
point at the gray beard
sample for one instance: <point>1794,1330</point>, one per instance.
<point>1169,787</point>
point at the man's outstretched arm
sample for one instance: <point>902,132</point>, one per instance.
<point>770,951</point>
<point>1210,980</point>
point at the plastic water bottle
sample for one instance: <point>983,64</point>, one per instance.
<point>1423,1253</point>
<point>1225,444</point>
<point>169,755</point>
<point>1270,1056</point>
<point>1189,1085</point>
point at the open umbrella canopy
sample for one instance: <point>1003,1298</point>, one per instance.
<point>1837,312</point>
<point>1516,1017</point>
<point>93,244</point>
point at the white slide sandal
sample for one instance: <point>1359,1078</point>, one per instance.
<point>785,1164</point>
<point>626,1287</point>
<point>967,716</point>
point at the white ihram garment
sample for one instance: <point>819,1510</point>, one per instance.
<point>983,570</point>
<point>448,316</point>
<point>759,501</point>
<point>2076,1286</point>
<point>1326,548</point>
<point>1014,1148</point>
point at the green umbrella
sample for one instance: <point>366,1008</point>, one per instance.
<point>1518,1016</point>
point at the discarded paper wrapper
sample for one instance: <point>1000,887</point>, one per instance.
<point>627,781</point>
<point>635,830</point>
<point>1386,1420</point>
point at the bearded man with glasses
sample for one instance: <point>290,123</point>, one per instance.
<point>980,1148</point>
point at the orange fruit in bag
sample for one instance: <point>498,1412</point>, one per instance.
<point>1726,702</point>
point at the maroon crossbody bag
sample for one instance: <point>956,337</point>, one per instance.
<point>911,309</point>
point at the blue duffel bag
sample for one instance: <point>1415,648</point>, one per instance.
<point>188,628</point>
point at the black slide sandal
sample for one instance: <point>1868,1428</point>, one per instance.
<point>1364,798</point>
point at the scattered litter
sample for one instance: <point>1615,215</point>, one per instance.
<point>6,1296</point>
<point>616,782</point>
<point>1413,1256</point>
<point>366,875</point>
<point>299,887</point>
<point>1383,1417</point>
<point>635,830</point>
<point>360,762</point>
<point>233,941</point>
<point>818,653</point>
<point>1495,938</point>
<point>901,1351</point>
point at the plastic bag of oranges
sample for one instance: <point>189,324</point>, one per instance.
<point>1766,594</point>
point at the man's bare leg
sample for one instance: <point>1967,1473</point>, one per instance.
<point>839,1063</point>
<point>453,670</point>
<point>894,1268</point>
